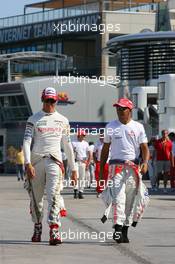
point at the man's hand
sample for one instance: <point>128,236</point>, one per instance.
<point>145,157</point>
<point>144,168</point>
<point>30,170</point>
<point>74,178</point>
<point>87,165</point>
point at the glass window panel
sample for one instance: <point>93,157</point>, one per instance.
<point>161,90</point>
<point>112,61</point>
<point>59,47</point>
<point>49,47</point>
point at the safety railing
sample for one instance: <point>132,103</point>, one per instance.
<point>48,15</point>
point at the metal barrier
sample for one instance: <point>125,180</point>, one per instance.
<point>48,15</point>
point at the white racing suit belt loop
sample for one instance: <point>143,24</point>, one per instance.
<point>127,195</point>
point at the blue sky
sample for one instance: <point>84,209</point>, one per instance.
<point>14,7</point>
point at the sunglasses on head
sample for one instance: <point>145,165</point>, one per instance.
<point>120,108</point>
<point>50,101</point>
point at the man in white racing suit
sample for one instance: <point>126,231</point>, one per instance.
<point>45,130</point>
<point>125,137</point>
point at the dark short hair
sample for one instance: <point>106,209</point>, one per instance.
<point>164,131</point>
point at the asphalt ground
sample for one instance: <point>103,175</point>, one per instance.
<point>85,238</point>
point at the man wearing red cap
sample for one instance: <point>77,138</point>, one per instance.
<point>82,158</point>
<point>44,168</point>
<point>125,137</point>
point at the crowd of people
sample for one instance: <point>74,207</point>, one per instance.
<point>87,159</point>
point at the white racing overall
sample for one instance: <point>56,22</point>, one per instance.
<point>128,196</point>
<point>125,142</point>
<point>47,131</point>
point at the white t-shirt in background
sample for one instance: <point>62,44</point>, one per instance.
<point>98,148</point>
<point>91,148</point>
<point>81,149</point>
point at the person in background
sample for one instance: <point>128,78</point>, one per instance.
<point>91,165</point>
<point>20,168</point>
<point>172,169</point>
<point>151,165</point>
<point>164,158</point>
<point>82,158</point>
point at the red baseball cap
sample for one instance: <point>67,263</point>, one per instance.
<point>124,102</point>
<point>81,132</point>
<point>49,93</point>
